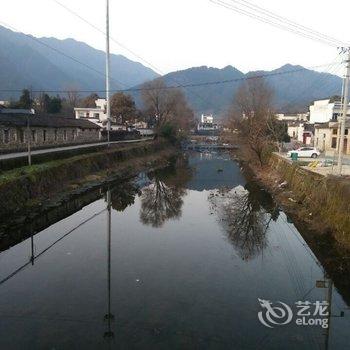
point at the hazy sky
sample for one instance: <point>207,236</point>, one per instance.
<point>178,34</point>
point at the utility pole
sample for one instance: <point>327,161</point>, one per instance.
<point>28,143</point>
<point>107,75</point>
<point>342,122</point>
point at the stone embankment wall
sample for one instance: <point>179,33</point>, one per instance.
<point>324,201</point>
<point>26,188</point>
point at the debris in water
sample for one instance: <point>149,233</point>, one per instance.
<point>283,184</point>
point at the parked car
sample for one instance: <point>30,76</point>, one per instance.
<point>305,152</point>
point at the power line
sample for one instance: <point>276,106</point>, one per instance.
<point>271,21</point>
<point>285,20</point>
<point>112,39</point>
<point>156,69</point>
<point>50,246</point>
<point>319,81</point>
<point>183,86</point>
<point>60,52</point>
<point>267,19</point>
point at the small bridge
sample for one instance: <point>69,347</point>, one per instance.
<point>209,146</point>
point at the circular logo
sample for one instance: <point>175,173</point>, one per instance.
<point>274,315</point>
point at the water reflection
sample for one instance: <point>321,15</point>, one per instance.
<point>123,197</point>
<point>109,317</point>
<point>243,218</point>
<point>162,200</point>
<point>182,289</point>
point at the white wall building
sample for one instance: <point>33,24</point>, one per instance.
<point>300,132</point>
<point>5,103</point>
<point>323,111</point>
<point>207,123</point>
<point>207,119</point>
<point>96,115</point>
<point>293,117</point>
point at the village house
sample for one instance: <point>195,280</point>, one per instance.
<point>43,131</point>
<point>301,132</point>
<point>323,111</point>
<point>207,125</point>
<point>4,104</point>
<point>303,117</point>
<point>98,116</point>
<point>95,115</point>
<point>327,135</point>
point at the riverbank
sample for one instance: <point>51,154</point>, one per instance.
<point>317,205</point>
<point>319,202</point>
<point>29,190</point>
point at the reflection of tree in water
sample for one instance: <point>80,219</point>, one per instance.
<point>162,199</point>
<point>124,196</point>
<point>243,219</point>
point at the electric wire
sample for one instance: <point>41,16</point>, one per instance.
<point>37,40</point>
<point>284,21</point>
<point>269,20</point>
<point>184,86</point>
<point>147,62</point>
<point>50,246</point>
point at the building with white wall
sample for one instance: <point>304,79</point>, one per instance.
<point>207,123</point>
<point>95,115</point>
<point>301,132</point>
<point>5,103</point>
<point>292,117</point>
<point>207,119</point>
<point>323,111</point>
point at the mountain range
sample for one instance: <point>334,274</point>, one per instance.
<point>50,64</point>
<point>294,87</point>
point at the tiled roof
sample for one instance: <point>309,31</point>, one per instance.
<point>20,120</point>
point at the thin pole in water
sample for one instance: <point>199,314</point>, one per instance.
<point>108,75</point>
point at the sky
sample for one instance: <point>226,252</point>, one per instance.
<point>178,34</point>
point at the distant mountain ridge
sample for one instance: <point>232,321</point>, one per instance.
<point>25,62</point>
<point>294,87</point>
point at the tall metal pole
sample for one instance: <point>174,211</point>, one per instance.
<point>344,114</point>
<point>107,75</point>
<point>28,143</point>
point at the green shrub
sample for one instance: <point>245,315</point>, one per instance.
<point>168,131</point>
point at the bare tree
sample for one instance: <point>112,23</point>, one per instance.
<point>123,106</point>
<point>89,101</point>
<point>169,105</point>
<point>243,220</point>
<point>162,199</point>
<point>124,196</point>
<point>160,203</point>
<point>72,97</point>
<point>252,111</point>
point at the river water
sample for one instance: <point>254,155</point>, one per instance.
<point>193,256</point>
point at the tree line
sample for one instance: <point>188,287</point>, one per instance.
<point>166,109</point>
<point>253,116</point>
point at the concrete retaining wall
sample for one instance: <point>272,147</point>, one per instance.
<point>327,199</point>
